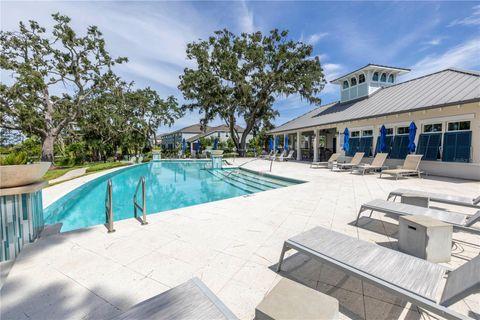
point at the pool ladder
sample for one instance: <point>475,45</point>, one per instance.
<point>109,208</point>
<point>109,205</point>
<point>143,208</point>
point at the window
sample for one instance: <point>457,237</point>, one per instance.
<point>355,134</point>
<point>345,84</point>
<point>361,78</point>
<point>365,145</point>
<point>434,127</point>
<point>459,125</point>
<point>388,143</point>
<point>429,145</point>
<point>403,130</point>
<point>389,131</point>
<point>399,147</point>
<point>456,146</point>
<point>353,81</point>
<point>367,133</point>
<point>383,78</point>
<point>390,78</point>
<point>375,76</point>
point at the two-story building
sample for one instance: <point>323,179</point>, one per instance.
<point>445,107</point>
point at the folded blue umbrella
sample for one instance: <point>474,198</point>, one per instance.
<point>346,145</point>
<point>215,144</point>
<point>198,146</point>
<point>383,139</point>
<point>411,137</point>
<point>184,145</point>
<point>286,143</point>
<point>270,144</point>
<point>276,142</point>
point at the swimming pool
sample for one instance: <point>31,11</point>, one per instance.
<point>169,185</point>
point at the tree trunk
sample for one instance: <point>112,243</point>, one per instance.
<point>47,148</point>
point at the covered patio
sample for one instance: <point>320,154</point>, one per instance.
<point>316,144</point>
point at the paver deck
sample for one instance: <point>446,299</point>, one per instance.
<point>232,245</point>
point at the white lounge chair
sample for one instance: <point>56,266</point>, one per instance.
<point>377,164</point>
<point>438,197</point>
<point>190,300</point>
<point>413,279</point>
<point>267,156</point>
<point>286,158</point>
<point>326,164</point>
<point>356,160</point>
<point>458,220</point>
<point>275,155</point>
<point>409,168</point>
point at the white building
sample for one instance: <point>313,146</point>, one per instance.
<point>445,107</point>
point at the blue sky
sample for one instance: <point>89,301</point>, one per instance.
<point>423,36</point>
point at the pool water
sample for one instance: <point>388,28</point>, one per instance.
<point>169,185</point>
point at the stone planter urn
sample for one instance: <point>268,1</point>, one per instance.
<point>21,207</point>
<point>217,156</point>
<point>23,174</point>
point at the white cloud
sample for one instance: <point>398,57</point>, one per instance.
<point>434,42</point>
<point>465,56</point>
<point>473,19</point>
<point>316,37</point>
<point>245,19</point>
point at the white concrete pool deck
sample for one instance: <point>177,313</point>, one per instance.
<point>230,245</point>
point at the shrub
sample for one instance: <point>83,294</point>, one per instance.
<point>15,158</point>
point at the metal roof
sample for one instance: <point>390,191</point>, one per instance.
<point>443,88</point>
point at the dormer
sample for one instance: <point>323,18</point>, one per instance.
<point>365,81</point>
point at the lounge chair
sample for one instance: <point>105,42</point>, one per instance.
<point>413,279</point>
<point>267,156</point>
<point>286,158</point>
<point>326,164</point>
<point>458,220</point>
<point>356,160</point>
<point>377,164</point>
<point>410,167</point>
<point>190,300</point>
<point>275,155</point>
<point>438,197</point>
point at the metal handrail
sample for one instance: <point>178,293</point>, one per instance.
<point>141,182</point>
<point>109,208</point>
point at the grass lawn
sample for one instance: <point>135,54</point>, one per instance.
<point>91,167</point>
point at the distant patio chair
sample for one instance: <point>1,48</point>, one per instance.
<point>326,164</point>
<point>356,160</point>
<point>410,167</point>
<point>377,164</point>
<point>415,280</point>
<point>286,158</point>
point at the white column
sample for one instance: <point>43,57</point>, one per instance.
<point>315,145</point>
<point>284,136</point>
<point>299,152</point>
<point>275,143</point>
<point>376,134</point>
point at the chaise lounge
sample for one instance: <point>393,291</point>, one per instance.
<point>438,197</point>
<point>458,220</point>
<point>326,164</point>
<point>377,164</point>
<point>190,300</point>
<point>416,280</point>
<point>409,168</point>
<point>284,157</point>
<point>356,160</point>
